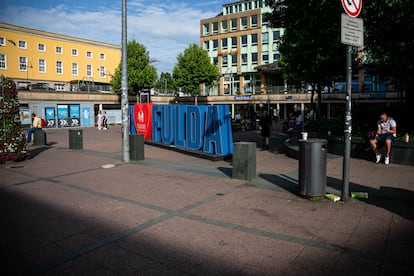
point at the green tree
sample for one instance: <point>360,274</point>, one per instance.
<point>389,40</point>
<point>194,68</point>
<point>311,49</point>
<point>165,81</point>
<point>141,74</point>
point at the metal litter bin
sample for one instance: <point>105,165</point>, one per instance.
<point>75,139</point>
<point>312,167</point>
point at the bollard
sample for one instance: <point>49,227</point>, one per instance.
<point>244,160</point>
<point>39,137</point>
<point>136,147</point>
<point>75,139</point>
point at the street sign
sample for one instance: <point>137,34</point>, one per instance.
<point>352,30</point>
<point>352,7</point>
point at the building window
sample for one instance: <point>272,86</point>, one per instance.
<point>215,61</point>
<point>276,56</point>
<point>59,50</point>
<point>234,42</point>
<point>74,69</point>
<point>22,44</point>
<point>2,41</point>
<point>265,38</point>
<point>254,58</point>
<point>215,45</point>
<point>243,40</point>
<point>234,25</point>
<point>215,27</point>
<point>265,57</point>
<point>88,54</point>
<point>243,23</point>
<point>102,56</point>
<point>59,67</point>
<point>59,87</point>
<point>224,44</point>
<point>23,63</point>
<point>254,39</point>
<point>102,73</point>
<point>224,26</point>
<point>89,70</point>
<point>206,29</point>
<point>206,45</point>
<point>253,21</point>
<point>234,60</point>
<point>3,61</point>
<point>41,47</point>
<point>75,52</point>
<point>42,65</point>
<point>276,36</point>
<point>244,59</point>
<point>225,61</point>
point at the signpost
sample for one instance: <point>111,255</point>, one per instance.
<point>352,34</point>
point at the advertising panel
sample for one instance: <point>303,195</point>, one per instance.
<point>50,117</point>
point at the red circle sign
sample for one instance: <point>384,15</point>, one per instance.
<point>352,7</point>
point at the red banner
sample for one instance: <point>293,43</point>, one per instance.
<point>143,119</point>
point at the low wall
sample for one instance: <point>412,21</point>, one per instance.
<point>401,152</point>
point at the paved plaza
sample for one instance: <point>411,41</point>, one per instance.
<point>85,212</point>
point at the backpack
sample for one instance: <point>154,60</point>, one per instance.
<point>43,123</point>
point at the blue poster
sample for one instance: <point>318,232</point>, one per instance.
<point>63,112</point>
<point>50,113</point>
<point>74,111</point>
<point>86,116</point>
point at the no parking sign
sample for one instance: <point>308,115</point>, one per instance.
<point>352,7</point>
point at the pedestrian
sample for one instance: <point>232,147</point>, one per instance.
<point>104,121</point>
<point>264,126</point>
<point>386,133</point>
<point>100,120</point>
<point>36,124</point>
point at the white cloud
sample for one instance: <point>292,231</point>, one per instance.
<point>165,29</point>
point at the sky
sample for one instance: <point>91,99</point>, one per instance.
<point>165,27</point>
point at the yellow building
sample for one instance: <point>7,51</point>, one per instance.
<point>47,61</point>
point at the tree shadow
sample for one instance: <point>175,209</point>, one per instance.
<point>396,200</point>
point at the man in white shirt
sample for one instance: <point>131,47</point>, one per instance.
<point>386,132</point>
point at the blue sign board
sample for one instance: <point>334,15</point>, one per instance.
<point>86,116</point>
<point>201,127</point>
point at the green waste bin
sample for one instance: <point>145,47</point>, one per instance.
<point>312,167</point>
<point>75,139</point>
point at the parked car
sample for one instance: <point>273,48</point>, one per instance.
<point>40,86</point>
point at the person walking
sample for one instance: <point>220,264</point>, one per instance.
<point>386,133</point>
<point>100,120</point>
<point>104,121</point>
<point>264,126</point>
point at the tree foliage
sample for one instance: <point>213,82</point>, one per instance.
<point>194,68</point>
<point>141,74</point>
<point>311,49</point>
<point>389,39</point>
<point>165,81</point>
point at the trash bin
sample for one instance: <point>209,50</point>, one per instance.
<point>312,167</point>
<point>75,139</point>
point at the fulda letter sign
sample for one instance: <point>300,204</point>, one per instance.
<point>192,127</point>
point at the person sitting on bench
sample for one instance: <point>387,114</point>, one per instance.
<point>386,132</point>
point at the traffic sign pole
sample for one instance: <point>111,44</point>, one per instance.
<point>352,8</point>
